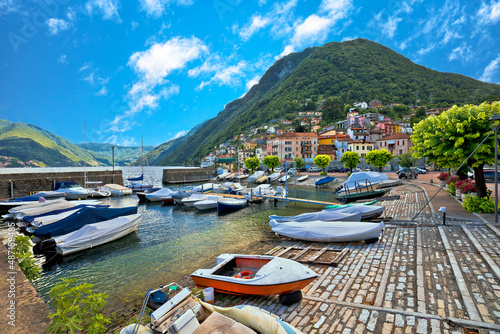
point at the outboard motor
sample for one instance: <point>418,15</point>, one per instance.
<point>157,299</point>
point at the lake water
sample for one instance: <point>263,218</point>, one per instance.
<point>171,243</point>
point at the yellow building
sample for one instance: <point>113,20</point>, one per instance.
<point>250,145</point>
<point>361,147</point>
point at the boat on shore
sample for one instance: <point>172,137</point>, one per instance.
<point>367,211</point>
<point>361,194</point>
<point>324,181</point>
<point>323,215</point>
<point>175,310</point>
<point>263,275</point>
<point>255,176</point>
<point>273,177</point>
<point>302,178</point>
<point>329,231</point>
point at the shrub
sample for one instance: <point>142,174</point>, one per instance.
<point>443,176</point>
<point>466,186</point>
<point>476,204</point>
<point>451,189</point>
<point>323,173</point>
<point>453,180</point>
<point>24,256</point>
<point>77,308</point>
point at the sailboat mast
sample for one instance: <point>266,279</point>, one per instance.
<point>85,154</point>
<point>142,153</point>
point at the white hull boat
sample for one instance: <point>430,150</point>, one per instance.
<point>255,176</point>
<point>117,190</point>
<point>320,215</point>
<point>273,177</point>
<point>206,187</point>
<point>367,211</point>
<point>93,235</point>
<point>230,204</point>
<point>191,200</point>
<point>72,190</point>
<point>157,196</point>
<point>284,178</point>
<point>330,231</point>
<point>302,178</point>
<point>207,204</point>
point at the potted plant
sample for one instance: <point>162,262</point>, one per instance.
<point>467,187</point>
<point>443,177</point>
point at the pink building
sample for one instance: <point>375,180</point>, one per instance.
<point>396,144</point>
<point>296,144</point>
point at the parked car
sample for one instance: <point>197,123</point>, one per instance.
<point>489,175</point>
<point>332,169</point>
<point>303,169</point>
<point>315,170</point>
<point>421,170</point>
<point>343,170</point>
<point>292,171</point>
<point>403,173</point>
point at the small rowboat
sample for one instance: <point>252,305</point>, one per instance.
<point>325,215</point>
<point>230,204</point>
<point>323,181</point>
<point>259,275</point>
<point>302,178</point>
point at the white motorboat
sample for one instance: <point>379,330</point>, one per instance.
<point>255,176</point>
<point>117,190</point>
<point>223,176</point>
<point>367,211</point>
<point>13,211</point>
<point>302,178</point>
<point>230,204</point>
<point>207,204</point>
<point>96,234</point>
<point>72,190</point>
<point>361,181</point>
<point>238,177</point>
<point>229,188</point>
<point>280,191</point>
<point>273,177</point>
<point>323,215</point>
<point>191,200</point>
<point>329,231</point>
<point>159,195</point>
<point>206,187</point>
<point>284,178</point>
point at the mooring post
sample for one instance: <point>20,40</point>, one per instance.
<point>11,189</point>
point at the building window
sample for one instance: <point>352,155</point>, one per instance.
<point>357,148</point>
<point>363,147</point>
<point>369,148</point>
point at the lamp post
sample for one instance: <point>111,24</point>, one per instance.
<point>493,118</point>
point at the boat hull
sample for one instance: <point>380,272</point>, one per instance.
<point>222,206</point>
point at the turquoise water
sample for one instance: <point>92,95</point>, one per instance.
<point>171,243</point>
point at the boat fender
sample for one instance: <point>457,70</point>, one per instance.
<point>245,274</point>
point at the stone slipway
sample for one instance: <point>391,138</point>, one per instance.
<point>421,277</point>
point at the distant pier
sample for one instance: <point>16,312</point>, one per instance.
<point>22,184</point>
<point>188,175</point>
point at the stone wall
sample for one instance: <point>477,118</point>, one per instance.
<point>185,175</point>
<point>22,184</point>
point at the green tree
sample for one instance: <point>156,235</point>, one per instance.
<point>350,159</point>
<point>449,138</point>
<point>252,163</point>
<point>421,112</point>
<point>300,128</point>
<point>379,158</point>
<point>77,308</point>
<point>271,161</point>
<point>322,160</point>
<point>347,107</point>
<point>333,109</point>
<point>299,163</point>
<point>406,160</point>
<point>21,252</point>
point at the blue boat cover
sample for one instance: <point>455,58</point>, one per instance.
<point>324,180</point>
<point>65,184</point>
<point>139,178</point>
<point>81,218</point>
<point>29,219</point>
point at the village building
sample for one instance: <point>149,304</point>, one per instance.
<point>396,144</point>
<point>296,144</point>
<point>342,146</point>
<point>362,147</point>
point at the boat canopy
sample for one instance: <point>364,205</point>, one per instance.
<point>361,177</point>
<point>30,218</point>
<point>324,215</point>
<point>81,218</point>
<point>163,192</point>
<point>324,180</point>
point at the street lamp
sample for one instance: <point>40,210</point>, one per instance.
<point>493,118</point>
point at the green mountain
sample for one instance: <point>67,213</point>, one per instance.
<point>124,155</point>
<point>156,155</point>
<point>29,145</point>
<point>358,70</point>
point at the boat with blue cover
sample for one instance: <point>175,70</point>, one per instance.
<point>323,181</point>
<point>225,204</point>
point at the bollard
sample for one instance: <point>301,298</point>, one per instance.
<point>443,210</point>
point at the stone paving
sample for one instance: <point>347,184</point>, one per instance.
<point>420,277</point>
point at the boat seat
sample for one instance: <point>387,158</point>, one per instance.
<point>218,323</point>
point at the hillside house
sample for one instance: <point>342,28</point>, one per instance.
<point>362,147</point>
<point>358,133</point>
<point>342,146</point>
<point>261,152</point>
<point>396,144</point>
<point>286,122</point>
<point>296,144</point>
<point>376,104</point>
<point>243,154</point>
<point>250,145</point>
<point>361,105</point>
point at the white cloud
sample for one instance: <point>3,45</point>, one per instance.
<point>178,134</point>
<point>107,8</point>
<point>63,59</point>
<point>262,2</point>
<point>252,82</point>
<point>463,52</point>
<point>156,8</point>
<point>313,29</point>
<point>490,70</point>
<point>349,38</point>
<point>286,51</point>
<point>228,76</point>
<point>154,65</point>
<point>9,6</point>
<point>134,25</point>
<point>489,13</point>
<point>257,22</point>
<point>57,25</point>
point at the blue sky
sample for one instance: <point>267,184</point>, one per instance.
<point>157,68</point>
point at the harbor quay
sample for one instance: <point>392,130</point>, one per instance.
<point>424,275</point>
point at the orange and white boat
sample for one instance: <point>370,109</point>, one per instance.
<point>239,274</point>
